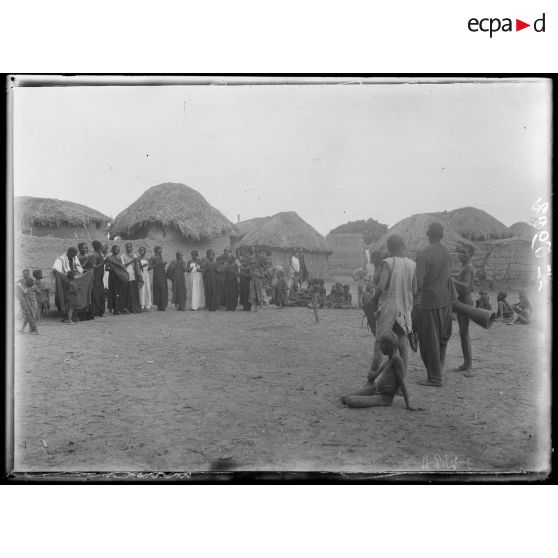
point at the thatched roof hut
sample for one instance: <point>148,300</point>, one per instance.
<point>413,231</point>
<point>59,218</point>
<point>173,210</point>
<point>473,224</point>
<point>523,230</point>
<point>281,233</point>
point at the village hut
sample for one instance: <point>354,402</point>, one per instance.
<point>176,215</point>
<point>473,224</point>
<point>348,253</point>
<point>281,233</point>
<point>413,232</point>
<point>523,230</point>
<point>58,218</point>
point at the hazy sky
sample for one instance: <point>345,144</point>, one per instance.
<point>332,153</point>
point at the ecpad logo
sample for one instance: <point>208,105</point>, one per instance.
<point>494,24</point>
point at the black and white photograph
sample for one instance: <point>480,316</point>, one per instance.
<point>220,275</point>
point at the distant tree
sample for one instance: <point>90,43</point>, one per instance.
<point>371,229</point>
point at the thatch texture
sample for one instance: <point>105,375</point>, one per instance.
<point>473,224</point>
<point>171,206</point>
<point>284,231</point>
<point>49,212</point>
<point>413,231</point>
<point>523,230</point>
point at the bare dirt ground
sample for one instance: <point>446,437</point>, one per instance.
<point>174,391</point>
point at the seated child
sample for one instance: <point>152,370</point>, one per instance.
<point>43,298</point>
<point>505,311</point>
<point>26,292</point>
<point>347,297</point>
<point>483,301</point>
<point>381,389</point>
<point>523,309</point>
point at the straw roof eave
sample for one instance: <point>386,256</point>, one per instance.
<point>56,213</point>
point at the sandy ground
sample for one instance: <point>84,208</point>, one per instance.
<point>175,391</point>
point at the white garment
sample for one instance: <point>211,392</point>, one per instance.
<point>295,265</point>
<point>195,293</point>
<point>145,291</point>
<point>396,302</point>
<point>62,264</point>
<point>106,275</point>
<point>129,268</point>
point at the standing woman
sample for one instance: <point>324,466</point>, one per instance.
<point>231,284</point>
<point>117,282</point>
<point>145,291</point>
<point>211,273</point>
<point>245,284</point>
<point>196,298</point>
<point>96,263</point>
<point>131,304</point>
<point>160,287</point>
<point>175,273</point>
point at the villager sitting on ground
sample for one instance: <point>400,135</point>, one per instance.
<point>347,297</point>
<point>335,296</point>
<point>523,309</point>
<point>483,301</point>
<point>27,292</point>
<point>505,311</point>
<point>464,286</point>
<point>382,387</point>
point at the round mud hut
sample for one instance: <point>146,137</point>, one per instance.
<point>281,233</point>
<point>473,224</point>
<point>175,216</point>
<point>523,230</point>
<point>58,218</point>
<point>413,232</point>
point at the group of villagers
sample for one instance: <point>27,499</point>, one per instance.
<point>120,283</point>
<point>410,306</point>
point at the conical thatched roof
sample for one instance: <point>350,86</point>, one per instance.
<point>244,227</point>
<point>473,224</point>
<point>55,213</point>
<point>413,231</point>
<point>284,231</point>
<point>523,230</point>
<point>171,206</point>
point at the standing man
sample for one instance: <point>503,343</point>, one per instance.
<point>83,254</point>
<point>434,304</point>
<point>96,263</point>
<point>66,265</point>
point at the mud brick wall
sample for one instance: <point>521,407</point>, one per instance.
<point>348,253</point>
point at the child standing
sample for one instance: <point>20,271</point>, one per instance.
<point>27,293</point>
<point>464,286</point>
<point>43,295</point>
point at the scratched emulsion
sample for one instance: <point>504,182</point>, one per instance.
<point>176,391</point>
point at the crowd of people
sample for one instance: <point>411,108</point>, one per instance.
<point>121,283</point>
<point>410,306</point>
